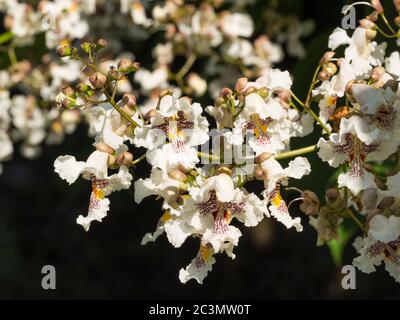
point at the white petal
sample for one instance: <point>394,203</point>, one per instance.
<point>385,229</point>
<point>68,168</point>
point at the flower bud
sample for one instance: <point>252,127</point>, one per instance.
<point>129,99</point>
<point>397,21</point>
<point>330,68</point>
<point>310,204</point>
<point>125,65</point>
<point>259,173</point>
<point>225,92</point>
<point>98,80</point>
<point>326,57</point>
<point>377,73</point>
<point>396,4</point>
<point>284,95</point>
<point>103,147</point>
<point>125,159</point>
<point>331,195</point>
<point>367,24</point>
<point>68,91</point>
<point>151,114</point>
<point>262,157</point>
<point>101,43</point>
<point>377,5</point>
<point>178,175</point>
<point>323,76</point>
<point>87,46</point>
<point>373,16</point>
<point>250,90</point>
<point>241,83</point>
<point>64,51</point>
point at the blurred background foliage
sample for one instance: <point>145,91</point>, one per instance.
<point>38,212</point>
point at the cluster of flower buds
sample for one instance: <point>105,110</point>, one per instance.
<point>218,32</point>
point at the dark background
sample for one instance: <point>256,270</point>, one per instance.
<point>38,213</point>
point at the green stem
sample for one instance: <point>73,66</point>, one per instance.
<point>121,112</point>
<point>312,113</point>
<point>142,157</point>
<point>387,22</point>
<point>186,67</point>
<point>12,55</point>
<point>297,152</point>
<point>385,34</point>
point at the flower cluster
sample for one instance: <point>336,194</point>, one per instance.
<point>201,173</point>
<point>359,110</point>
<point>218,33</point>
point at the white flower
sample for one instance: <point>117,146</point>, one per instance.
<point>150,80</point>
<point>95,170</point>
<point>179,122</point>
<point>199,267</point>
<point>381,245</point>
<point>237,25</point>
<point>361,53</point>
<point>355,143</point>
<point>214,205</point>
<point>276,176</point>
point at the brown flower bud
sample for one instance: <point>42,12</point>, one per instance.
<point>98,80</point>
<point>377,73</point>
<point>101,43</point>
<point>125,159</point>
<point>68,91</point>
<point>310,204</point>
<point>125,65</point>
<point>367,24</point>
<point>151,114</point>
<point>241,83</point>
<point>103,147</point>
<point>323,75</point>
<point>377,5</point>
<point>259,173</point>
<point>250,90</point>
<point>396,4</point>
<point>326,57</point>
<point>373,16</point>
<point>178,175</point>
<point>262,157</point>
<point>284,95</point>
<point>129,99</point>
<point>397,21</point>
<point>225,92</point>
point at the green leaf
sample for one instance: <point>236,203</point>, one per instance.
<point>6,36</point>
